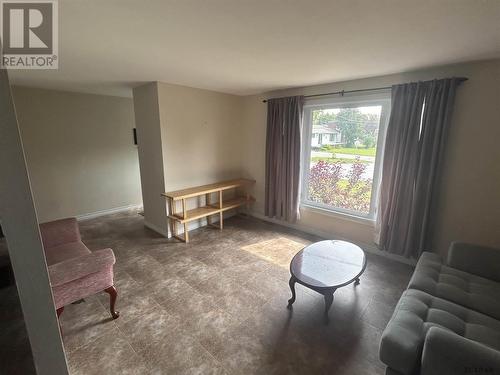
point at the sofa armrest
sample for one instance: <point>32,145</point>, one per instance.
<point>479,260</point>
<point>76,268</point>
<point>446,353</point>
<point>402,341</point>
<point>59,232</point>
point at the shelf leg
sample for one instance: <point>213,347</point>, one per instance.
<point>184,209</point>
<point>184,215</point>
<point>186,233</point>
<point>221,214</point>
<point>207,202</point>
<point>171,203</point>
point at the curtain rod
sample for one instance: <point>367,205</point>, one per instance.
<point>342,92</point>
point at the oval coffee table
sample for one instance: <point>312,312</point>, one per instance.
<point>326,266</point>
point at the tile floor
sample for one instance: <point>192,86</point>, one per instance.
<point>217,306</point>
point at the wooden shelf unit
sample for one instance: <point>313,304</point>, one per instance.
<point>210,208</point>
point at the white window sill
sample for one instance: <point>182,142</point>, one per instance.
<point>338,214</point>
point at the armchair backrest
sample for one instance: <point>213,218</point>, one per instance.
<point>59,232</point>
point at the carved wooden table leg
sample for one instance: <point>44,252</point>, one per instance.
<point>112,300</point>
<point>357,281</point>
<point>292,288</point>
<point>328,303</point>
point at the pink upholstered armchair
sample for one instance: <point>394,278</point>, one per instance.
<point>74,271</point>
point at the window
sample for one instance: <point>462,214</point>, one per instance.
<point>341,169</point>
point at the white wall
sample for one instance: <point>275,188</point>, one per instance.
<point>469,202</point>
<point>149,137</point>
<point>201,135</point>
<point>79,150</point>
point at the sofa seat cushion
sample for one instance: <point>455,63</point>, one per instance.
<point>416,312</point>
<point>468,290</point>
<point>66,251</point>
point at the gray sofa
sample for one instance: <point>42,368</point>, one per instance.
<point>448,320</point>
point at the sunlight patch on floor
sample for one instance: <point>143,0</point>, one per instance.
<point>279,250</point>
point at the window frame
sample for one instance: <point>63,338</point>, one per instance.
<point>383,99</point>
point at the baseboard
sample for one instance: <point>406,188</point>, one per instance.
<point>370,248</point>
<point>115,210</point>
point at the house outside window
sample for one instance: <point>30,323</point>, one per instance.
<point>342,153</point>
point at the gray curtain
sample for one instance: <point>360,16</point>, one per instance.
<point>284,123</point>
<point>415,141</point>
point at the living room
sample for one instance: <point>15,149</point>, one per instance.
<point>266,187</point>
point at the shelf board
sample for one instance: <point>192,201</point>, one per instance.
<point>235,202</point>
<point>204,211</point>
<point>196,213</point>
<point>205,189</point>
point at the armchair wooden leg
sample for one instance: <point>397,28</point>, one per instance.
<point>59,311</point>
<point>112,300</point>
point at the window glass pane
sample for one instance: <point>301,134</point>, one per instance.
<point>342,157</point>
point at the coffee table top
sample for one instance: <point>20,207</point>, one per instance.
<point>328,264</point>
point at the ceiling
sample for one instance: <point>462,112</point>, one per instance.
<point>245,47</point>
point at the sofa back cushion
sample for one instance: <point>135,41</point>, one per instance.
<point>479,260</point>
<point>463,288</point>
